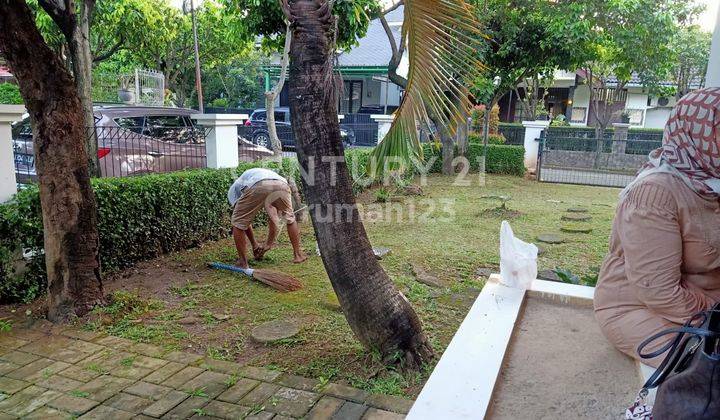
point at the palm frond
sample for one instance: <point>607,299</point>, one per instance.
<point>443,39</point>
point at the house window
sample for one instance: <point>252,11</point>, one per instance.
<point>578,115</point>
<point>351,99</point>
<point>636,116</point>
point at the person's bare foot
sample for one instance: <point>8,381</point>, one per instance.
<point>242,264</point>
<point>299,258</point>
<point>259,252</point>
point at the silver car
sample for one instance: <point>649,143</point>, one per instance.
<point>135,140</point>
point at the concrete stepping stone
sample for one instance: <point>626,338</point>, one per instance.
<point>576,217</point>
<point>549,275</point>
<point>271,331</point>
<point>578,210</point>
<point>381,252</point>
<point>550,238</point>
<point>426,278</point>
<point>576,229</point>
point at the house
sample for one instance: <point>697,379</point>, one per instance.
<point>569,95</point>
<point>363,69</point>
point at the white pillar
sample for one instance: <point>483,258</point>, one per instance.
<point>221,144</point>
<point>384,124</point>
<point>713,71</point>
<point>8,183</point>
<point>532,132</point>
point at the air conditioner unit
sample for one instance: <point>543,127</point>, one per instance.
<point>662,101</point>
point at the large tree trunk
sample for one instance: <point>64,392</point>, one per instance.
<point>82,72</point>
<point>379,315</point>
<point>66,197</point>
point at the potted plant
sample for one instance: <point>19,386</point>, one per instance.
<point>625,117</point>
<point>125,93</point>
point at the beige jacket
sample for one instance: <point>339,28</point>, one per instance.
<point>663,264</point>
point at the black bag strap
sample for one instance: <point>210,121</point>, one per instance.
<point>675,348</point>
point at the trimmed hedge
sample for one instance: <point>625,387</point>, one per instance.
<point>142,217</point>
<point>501,159</point>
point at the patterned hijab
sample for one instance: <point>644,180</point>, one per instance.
<point>691,149</point>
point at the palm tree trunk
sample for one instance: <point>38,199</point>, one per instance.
<point>67,199</point>
<point>379,315</point>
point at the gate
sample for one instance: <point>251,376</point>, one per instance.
<point>591,161</point>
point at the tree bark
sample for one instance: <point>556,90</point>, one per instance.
<point>378,314</point>
<point>82,72</point>
<point>66,196</point>
<point>74,23</point>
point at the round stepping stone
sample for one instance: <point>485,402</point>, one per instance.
<point>577,210</point>
<point>550,238</point>
<point>576,217</point>
<point>274,330</point>
<point>541,250</point>
<point>576,229</point>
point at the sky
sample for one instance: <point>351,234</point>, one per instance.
<point>707,20</point>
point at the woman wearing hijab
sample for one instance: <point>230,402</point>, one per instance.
<point>663,264</point>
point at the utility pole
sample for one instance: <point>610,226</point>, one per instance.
<point>198,82</point>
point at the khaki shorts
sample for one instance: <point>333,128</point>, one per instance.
<point>263,195</point>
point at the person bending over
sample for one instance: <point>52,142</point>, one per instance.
<point>664,259</point>
<point>257,189</point>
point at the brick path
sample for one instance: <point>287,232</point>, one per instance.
<point>48,372</point>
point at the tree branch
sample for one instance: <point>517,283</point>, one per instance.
<point>62,12</point>
<point>393,6</point>
<point>107,54</point>
<point>388,32</point>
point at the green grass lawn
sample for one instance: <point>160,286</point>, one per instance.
<point>157,299</point>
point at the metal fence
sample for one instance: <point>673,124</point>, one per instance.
<point>130,151</point>
<point>354,133</point>
<point>514,134</point>
<point>591,161</point>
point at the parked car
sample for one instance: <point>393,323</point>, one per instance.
<point>256,129</point>
<point>377,109</point>
<point>135,140</point>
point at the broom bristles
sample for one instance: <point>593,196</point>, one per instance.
<point>276,280</point>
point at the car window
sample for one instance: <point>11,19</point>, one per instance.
<point>22,129</point>
<point>259,116</point>
<point>134,124</point>
<point>173,129</point>
<point>165,121</point>
<point>279,116</point>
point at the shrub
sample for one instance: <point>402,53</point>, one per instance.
<point>477,114</point>
<point>10,94</point>
<point>492,138</point>
<point>138,218</point>
<point>501,159</point>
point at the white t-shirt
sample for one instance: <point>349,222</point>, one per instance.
<point>248,179</point>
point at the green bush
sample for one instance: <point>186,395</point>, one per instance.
<point>501,159</point>
<point>138,218</point>
<point>10,94</point>
<point>492,138</point>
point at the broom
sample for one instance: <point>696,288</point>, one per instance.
<point>278,281</point>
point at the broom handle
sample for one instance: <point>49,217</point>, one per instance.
<point>247,271</point>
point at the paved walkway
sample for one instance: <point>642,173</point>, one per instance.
<point>49,372</point>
